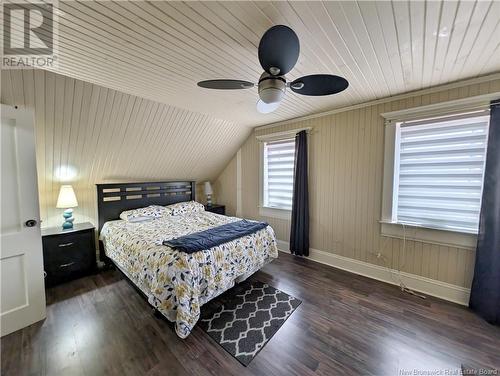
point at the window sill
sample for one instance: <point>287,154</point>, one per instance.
<point>275,213</point>
<point>429,235</point>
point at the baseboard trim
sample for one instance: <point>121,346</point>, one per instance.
<point>427,286</point>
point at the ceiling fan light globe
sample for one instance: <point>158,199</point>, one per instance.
<point>271,95</point>
<point>271,88</point>
<point>266,108</point>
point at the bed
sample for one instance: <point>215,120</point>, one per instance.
<point>175,283</point>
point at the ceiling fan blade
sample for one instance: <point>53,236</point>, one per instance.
<point>279,48</point>
<point>226,84</point>
<point>319,84</point>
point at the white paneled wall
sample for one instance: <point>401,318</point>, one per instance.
<point>225,193</point>
<point>88,134</point>
<point>345,180</point>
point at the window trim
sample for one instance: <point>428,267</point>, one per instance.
<point>266,211</point>
<point>444,237</point>
<point>413,232</point>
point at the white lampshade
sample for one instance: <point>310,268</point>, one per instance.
<point>208,188</point>
<point>67,198</point>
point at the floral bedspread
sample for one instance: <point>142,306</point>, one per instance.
<point>176,283</point>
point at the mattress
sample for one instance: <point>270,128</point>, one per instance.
<point>177,284</point>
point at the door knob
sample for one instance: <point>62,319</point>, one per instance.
<point>30,223</point>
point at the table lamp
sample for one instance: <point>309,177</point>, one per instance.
<point>67,200</point>
<point>208,193</point>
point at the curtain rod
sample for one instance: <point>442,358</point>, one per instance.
<point>290,132</point>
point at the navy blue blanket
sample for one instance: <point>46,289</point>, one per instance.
<point>212,237</point>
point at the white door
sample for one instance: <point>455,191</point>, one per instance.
<point>21,258</point>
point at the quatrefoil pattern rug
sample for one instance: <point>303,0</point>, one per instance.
<point>244,318</point>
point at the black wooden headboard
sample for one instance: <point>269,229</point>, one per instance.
<point>114,198</point>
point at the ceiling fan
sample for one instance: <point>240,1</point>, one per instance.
<point>278,52</point>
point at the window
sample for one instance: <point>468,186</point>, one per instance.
<point>438,169</point>
<point>277,179</point>
<point>277,163</point>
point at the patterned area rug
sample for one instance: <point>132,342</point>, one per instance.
<point>245,317</point>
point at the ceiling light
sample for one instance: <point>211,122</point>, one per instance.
<point>271,95</point>
<point>266,108</point>
<point>271,88</point>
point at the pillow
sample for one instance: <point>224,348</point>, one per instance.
<point>186,207</point>
<point>152,211</point>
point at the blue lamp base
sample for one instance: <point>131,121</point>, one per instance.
<point>68,219</point>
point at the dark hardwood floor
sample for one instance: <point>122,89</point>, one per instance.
<point>346,325</point>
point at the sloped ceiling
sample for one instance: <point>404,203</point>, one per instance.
<point>87,134</point>
<point>159,50</point>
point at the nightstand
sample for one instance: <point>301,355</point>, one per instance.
<point>68,254</point>
<point>217,209</point>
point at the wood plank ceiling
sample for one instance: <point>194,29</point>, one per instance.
<point>159,50</point>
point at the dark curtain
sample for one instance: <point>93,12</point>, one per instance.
<point>485,293</point>
<point>299,232</point>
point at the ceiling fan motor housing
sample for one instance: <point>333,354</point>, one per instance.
<point>271,88</point>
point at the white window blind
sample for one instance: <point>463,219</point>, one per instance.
<point>279,158</point>
<point>439,167</point>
